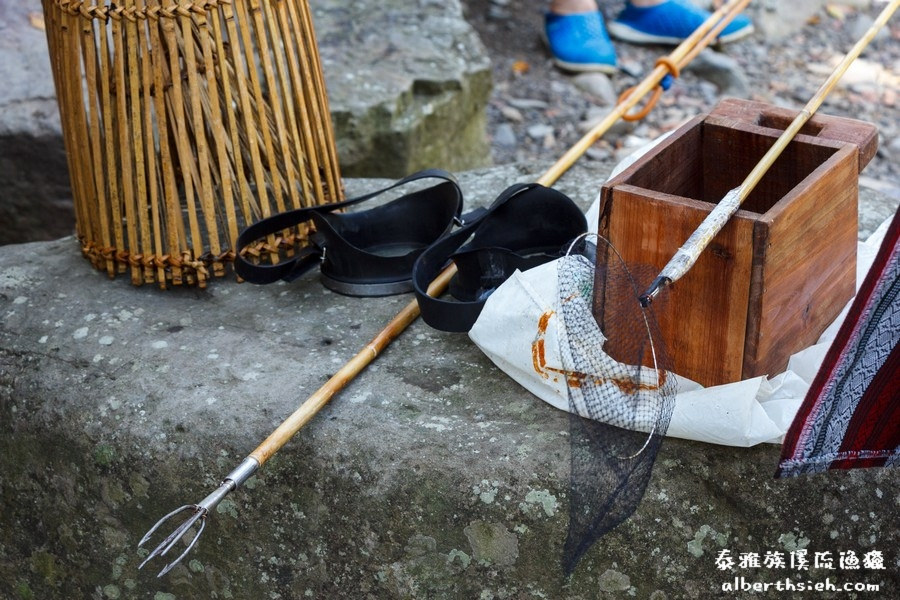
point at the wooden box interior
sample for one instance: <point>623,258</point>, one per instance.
<point>711,158</point>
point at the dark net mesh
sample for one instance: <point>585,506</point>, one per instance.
<point>621,395</point>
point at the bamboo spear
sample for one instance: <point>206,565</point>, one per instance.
<point>197,513</point>
<point>688,254</point>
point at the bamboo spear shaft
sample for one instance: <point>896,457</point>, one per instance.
<point>687,255</point>
<point>351,369</point>
<point>700,38</point>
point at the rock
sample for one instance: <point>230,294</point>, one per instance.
<point>504,135</point>
<point>35,203</point>
<point>709,91</point>
<point>775,20</point>
<point>549,141</point>
<point>878,201</point>
<point>595,153</point>
<point>596,114</point>
<point>527,103</point>
<point>722,70</point>
<point>539,131</point>
<point>498,12</point>
<point>560,87</point>
<point>27,96</point>
<point>894,146</point>
<point>630,144</point>
<point>861,23</point>
<point>632,68</point>
<point>36,198</point>
<point>408,83</point>
<point>492,543</point>
<point>431,475</point>
<point>512,114</point>
<point>598,86</point>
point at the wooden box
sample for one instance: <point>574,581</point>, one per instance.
<point>783,267</point>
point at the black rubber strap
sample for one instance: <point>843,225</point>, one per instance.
<point>527,225</point>
<point>444,314</point>
<point>308,257</point>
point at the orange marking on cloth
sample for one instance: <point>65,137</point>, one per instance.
<point>538,358</point>
<point>576,379</point>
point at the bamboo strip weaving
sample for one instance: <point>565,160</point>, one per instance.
<point>185,121</point>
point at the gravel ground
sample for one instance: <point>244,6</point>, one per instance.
<point>537,111</point>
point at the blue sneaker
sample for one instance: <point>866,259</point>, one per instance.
<point>670,23</point>
<point>579,42</point>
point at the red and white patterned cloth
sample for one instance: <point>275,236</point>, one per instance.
<point>850,417</point>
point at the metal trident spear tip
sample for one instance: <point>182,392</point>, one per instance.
<point>198,513</point>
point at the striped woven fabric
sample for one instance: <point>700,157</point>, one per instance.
<point>850,417</point>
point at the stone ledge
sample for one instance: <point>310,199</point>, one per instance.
<point>408,82</point>
<point>432,475</point>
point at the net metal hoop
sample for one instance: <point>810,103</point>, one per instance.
<point>659,382</point>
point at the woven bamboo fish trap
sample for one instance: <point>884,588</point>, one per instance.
<point>184,121</point>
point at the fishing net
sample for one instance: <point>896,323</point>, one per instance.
<point>621,394</point>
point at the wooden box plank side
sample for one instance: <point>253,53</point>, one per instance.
<point>804,265</point>
<point>706,312</point>
<point>861,134</point>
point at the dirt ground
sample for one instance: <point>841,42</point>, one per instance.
<point>546,112</point>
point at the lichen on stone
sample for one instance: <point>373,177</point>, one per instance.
<point>539,499</point>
